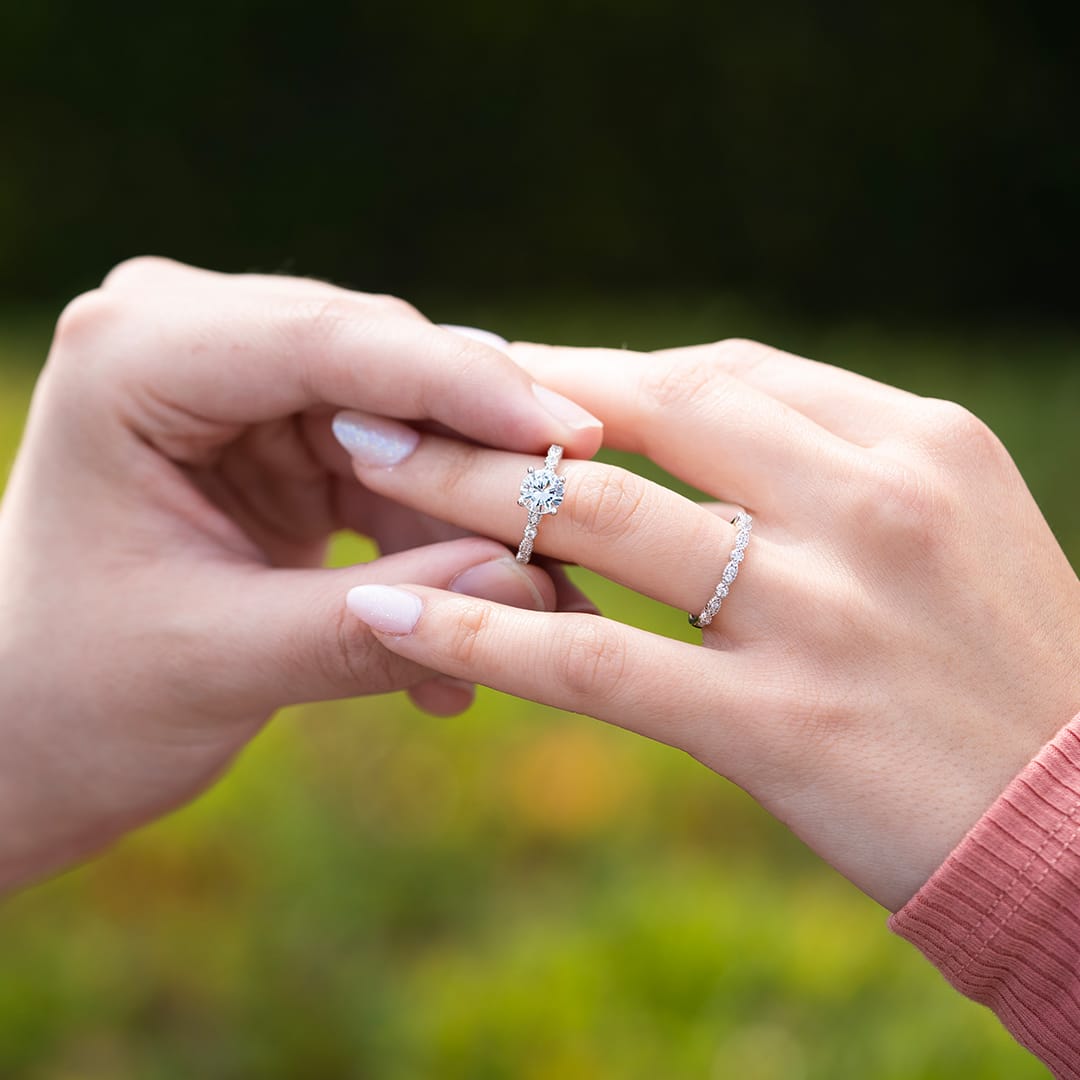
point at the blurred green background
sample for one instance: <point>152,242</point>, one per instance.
<point>519,893</point>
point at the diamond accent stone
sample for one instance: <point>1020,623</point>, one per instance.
<point>743,523</point>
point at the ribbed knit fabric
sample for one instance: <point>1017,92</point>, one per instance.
<point>1001,917</point>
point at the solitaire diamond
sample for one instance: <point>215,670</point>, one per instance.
<point>542,491</point>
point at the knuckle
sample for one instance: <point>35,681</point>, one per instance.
<point>678,380</point>
<point>948,431</point>
<point>466,363</point>
<point>87,314</point>
<point>456,471</point>
<point>821,716</point>
<point>739,355</point>
<point>907,510</point>
<point>467,633</point>
<point>589,661</point>
<point>136,271</point>
<point>315,322</point>
<point>88,335</point>
<point>470,359</point>
<point>607,500</point>
<point>311,328</point>
<point>394,305</point>
<point>88,357</point>
<point>895,499</point>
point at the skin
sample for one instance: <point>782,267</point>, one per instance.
<point>903,636</point>
<point>163,532</point>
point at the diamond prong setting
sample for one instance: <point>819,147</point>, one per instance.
<point>542,492</point>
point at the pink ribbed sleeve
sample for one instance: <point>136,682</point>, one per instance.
<point>1001,917</point>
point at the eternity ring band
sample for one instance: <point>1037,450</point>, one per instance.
<point>743,523</point>
<point>541,493</point>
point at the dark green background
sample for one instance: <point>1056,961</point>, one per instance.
<point>837,158</point>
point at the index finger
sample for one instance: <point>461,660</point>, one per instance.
<point>233,356</point>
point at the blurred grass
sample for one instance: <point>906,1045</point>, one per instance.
<point>516,892</point>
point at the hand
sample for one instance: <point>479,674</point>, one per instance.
<point>163,531</point>
<point>903,635</point>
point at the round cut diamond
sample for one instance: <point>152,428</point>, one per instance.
<point>542,491</point>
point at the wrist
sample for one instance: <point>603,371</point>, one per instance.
<point>47,821</point>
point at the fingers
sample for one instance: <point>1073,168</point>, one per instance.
<point>287,638</point>
<point>582,663</point>
<point>193,363</point>
<point>849,405</point>
<point>610,520</point>
<point>704,425</point>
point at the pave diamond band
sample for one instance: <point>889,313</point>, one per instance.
<point>743,523</point>
<point>541,493</point>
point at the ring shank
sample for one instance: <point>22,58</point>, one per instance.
<point>525,548</point>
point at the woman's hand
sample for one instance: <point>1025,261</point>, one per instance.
<point>163,531</point>
<point>903,635</point>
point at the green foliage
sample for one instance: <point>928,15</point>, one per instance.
<point>516,893</point>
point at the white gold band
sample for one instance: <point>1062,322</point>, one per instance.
<point>743,523</point>
<point>541,493</point>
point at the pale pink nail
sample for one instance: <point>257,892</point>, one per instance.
<point>486,337</point>
<point>384,608</point>
<point>503,581</point>
<point>564,410</point>
<point>373,440</point>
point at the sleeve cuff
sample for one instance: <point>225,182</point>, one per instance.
<point>1001,917</point>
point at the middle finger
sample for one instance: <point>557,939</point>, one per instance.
<point>691,416</point>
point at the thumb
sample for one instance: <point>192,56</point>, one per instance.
<point>284,637</point>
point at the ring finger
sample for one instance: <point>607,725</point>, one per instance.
<point>613,521</point>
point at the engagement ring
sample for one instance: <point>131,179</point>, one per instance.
<point>541,493</point>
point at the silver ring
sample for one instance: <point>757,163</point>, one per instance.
<point>541,493</point>
<point>743,523</point>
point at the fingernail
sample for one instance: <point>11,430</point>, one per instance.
<point>564,410</point>
<point>474,332</point>
<point>384,608</point>
<point>503,581</point>
<point>374,440</point>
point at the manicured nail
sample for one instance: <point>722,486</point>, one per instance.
<point>374,440</point>
<point>503,581</point>
<point>384,608</point>
<point>474,332</point>
<point>564,410</point>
